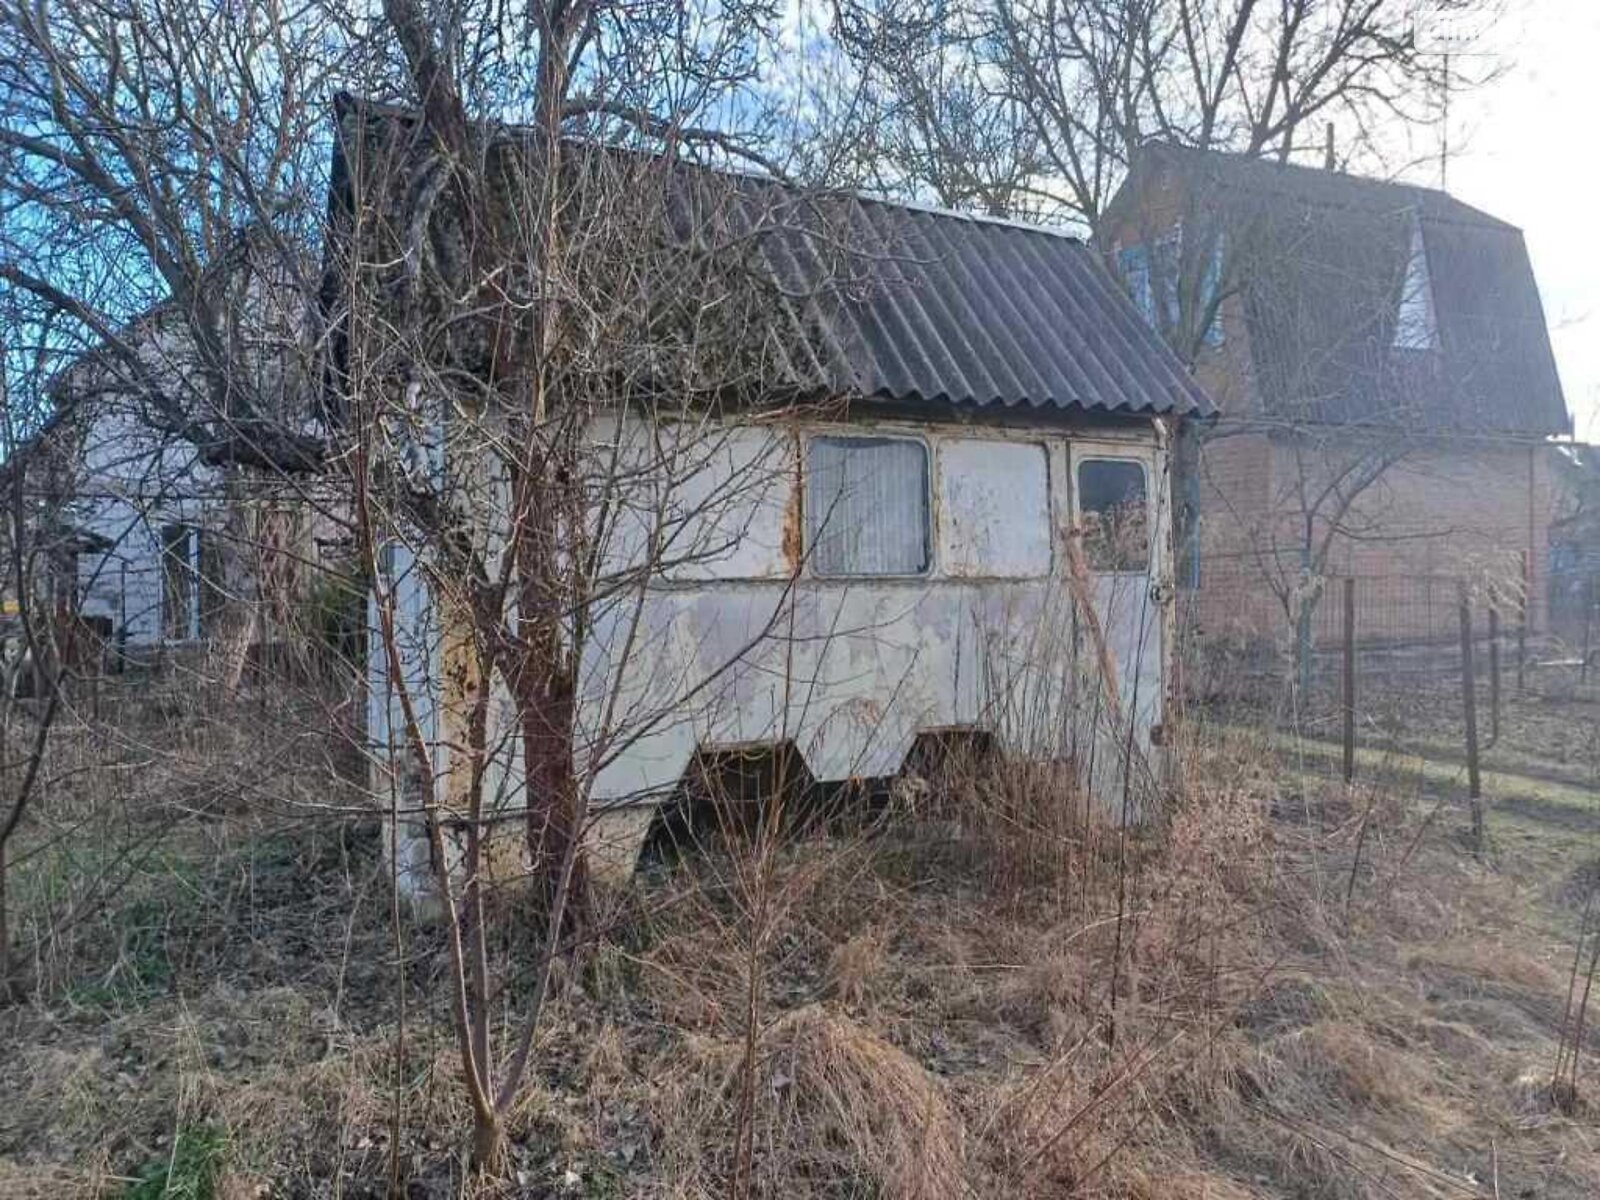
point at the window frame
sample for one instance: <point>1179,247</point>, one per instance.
<point>1146,472</point>
<point>1151,272</point>
<point>930,540</point>
<point>181,571</point>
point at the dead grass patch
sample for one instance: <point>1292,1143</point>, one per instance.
<point>852,1108</point>
<point>1341,1063</point>
<point>854,964</point>
<point>1023,1006</point>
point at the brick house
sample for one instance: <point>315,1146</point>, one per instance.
<point>1387,391</point>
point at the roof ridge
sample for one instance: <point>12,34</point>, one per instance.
<point>1461,211</point>
<point>958,214</point>
<point>346,102</point>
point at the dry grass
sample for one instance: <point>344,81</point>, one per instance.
<point>854,1112</point>
<point>990,995</point>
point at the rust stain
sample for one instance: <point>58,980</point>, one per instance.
<point>792,544</point>
<point>871,711</point>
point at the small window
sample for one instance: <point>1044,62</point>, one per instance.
<point>1113,512</point>
<point>213,595</point>
<point>1134,262</point>
<point>1415,327</point>
<point>867,506</point>
<point>1147,277</point>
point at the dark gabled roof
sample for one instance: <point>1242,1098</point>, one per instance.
<point>891,301</point>
<point>161,339</point>
<point>965,310</point>
<point>1319,258</point>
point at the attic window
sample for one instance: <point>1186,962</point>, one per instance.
<point>1415,327</point>
<point>1134,262</point>
<point>1145,277</point>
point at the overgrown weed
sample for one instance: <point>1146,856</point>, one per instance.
<point>989,990</point>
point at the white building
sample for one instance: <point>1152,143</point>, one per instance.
<point>147,493</point>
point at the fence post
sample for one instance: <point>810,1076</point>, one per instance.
<point>1349,679</point>
<point>1469,704</point>
<point>1494,666</point>
<point>1522,622</point>
<point>1588,628</point>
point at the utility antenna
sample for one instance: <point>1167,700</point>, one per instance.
<point>1444,127</point>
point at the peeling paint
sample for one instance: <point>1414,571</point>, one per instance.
<point>740,644</point>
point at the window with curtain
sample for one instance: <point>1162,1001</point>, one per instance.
<point>1145,276</point>
<point>867,506</point>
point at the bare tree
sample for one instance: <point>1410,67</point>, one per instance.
<point>46,646</point>
<point>149,150</point>
<point>1314,511</point>
<point>530,286</point>
<point>540,324</point>
<point>26,541</point>
<point>1082,85</point>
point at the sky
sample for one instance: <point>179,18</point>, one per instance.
<point>1522,149</point>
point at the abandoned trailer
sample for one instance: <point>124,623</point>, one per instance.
<point>929,495</point>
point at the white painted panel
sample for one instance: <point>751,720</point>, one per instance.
<point>726,495</point>
<point>994,509</point>
<point>691,502</point>
<point>849,673</point>
<point>851,670</point>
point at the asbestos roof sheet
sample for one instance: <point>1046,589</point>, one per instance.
<point>867,298</point>
<point>953,309</point>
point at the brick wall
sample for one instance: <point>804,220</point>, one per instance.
<point>1440,511</point>
<point>1435,514</point>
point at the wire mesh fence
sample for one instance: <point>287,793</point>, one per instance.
<point>1478,675</point>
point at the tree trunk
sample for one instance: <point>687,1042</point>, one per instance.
<point>546,698</point>
<point>1302,645</point>
<point>552,791</point>
<point>5,932</point>
<point>488,1144</point>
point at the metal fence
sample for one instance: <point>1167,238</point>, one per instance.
<point>1460,670</point>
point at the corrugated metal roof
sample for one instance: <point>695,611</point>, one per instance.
<point>872,299</point>
<point>962,310</point>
